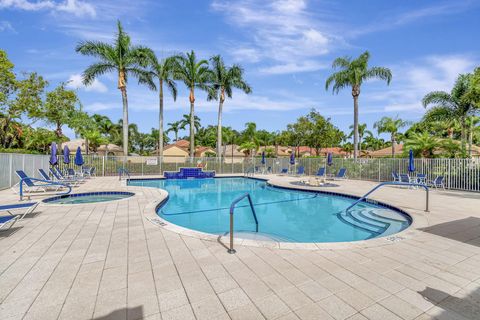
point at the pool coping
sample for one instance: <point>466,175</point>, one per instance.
<point>417,221</point>
<point>47,201</point>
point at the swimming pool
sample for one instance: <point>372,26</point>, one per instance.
<point>88,197</point>
<point>283,214</point>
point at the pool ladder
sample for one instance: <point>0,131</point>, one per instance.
<point>232,209</point>
<point>122,172</point>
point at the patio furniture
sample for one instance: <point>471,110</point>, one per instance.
<point>421,178</point>
<point>35,185</point>
<point>320,172</point>
<point>300,171</point>
<point>30,207</point>
<point>284,171</point>
<point>341,174</point>
<point>395,176</point>
<point>438,182</point>
<point>58,178</point>
<point>61,177</point>
<point>7,222</point>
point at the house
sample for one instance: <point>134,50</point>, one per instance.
<point>73,145</point>
<point>385,152</point>
<point>109,150</point>
<point>180,150</point>
<point>233,154</point>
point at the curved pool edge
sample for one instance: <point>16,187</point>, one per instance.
<point>417,221</point>
<point>47,201</point>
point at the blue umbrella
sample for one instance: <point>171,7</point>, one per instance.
<point>53,156</point>
<point>329,159</point>
<point>66,155</point>
<point>78,157</point>
<point>411,164</point>
<point>292,157</point>
<point>263,157</point>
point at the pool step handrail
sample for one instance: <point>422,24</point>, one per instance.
<point>392,183</point>
<point>123,171</point>
<point>232,209</point>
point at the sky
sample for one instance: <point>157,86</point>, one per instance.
<point>286,48</point>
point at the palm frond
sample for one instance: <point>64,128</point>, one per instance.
<point>440,98</point>
<point>97,49</point>
<point>342,62</point>
<point>96,70</point>
<point>379,73</point>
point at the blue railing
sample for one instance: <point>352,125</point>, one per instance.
<point>45,183</point>
<point>232,209</point>
<point>389,183</point>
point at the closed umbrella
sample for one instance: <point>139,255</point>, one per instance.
<point>411,163</point>
<point>53,155</point>
<point>263,158</point>
<point>66,155</point>
<point>292,157</point>
<point>329,159</point>
<point>79,157</point>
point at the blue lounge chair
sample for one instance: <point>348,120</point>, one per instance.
<point>7,222</point>
<point>284,171</point>
<point>341,174</point>
<point>30,207</point>
<point>300,171</point>
<point>59,178</point>
<point>30,185</point>
<point>404,178</point>
<point>320,172</point>
<point>395,176</point>
<point>438,182</point>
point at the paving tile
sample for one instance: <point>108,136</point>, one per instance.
<point>246,312</point>
<point>401,308</point>
<point>377,312</point>
<point>272,307</point>
<point>234,299</point>
<point>312,311</point>
<point>180,313</point>
<point>208,308</point>
<point>336,308</point>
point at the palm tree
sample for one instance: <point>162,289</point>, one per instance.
<point>121,57</point>
<point>362,131</point>
<point>186,121</point>
<point>175,127</point>
<point>422,144</point>
<point>352,74</point>
<point>390,125</point>
<point>162,71</point>
<point>453,105</point>
<point>224,80</point>
<point>194,74</point>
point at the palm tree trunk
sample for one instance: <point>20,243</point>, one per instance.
<point>125,120</point>
<point>160,121</point>
<point>219,127</point>
<point>192,123</point>
<point>393,145</point>
<point>355,125</point>
<point>176,135</point>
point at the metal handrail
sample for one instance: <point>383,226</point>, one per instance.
<point>232,208</point>
<point>125,171</point>
<point>393,184</point>
<point>48,183</point>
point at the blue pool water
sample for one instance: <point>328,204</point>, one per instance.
<point>283,215</point>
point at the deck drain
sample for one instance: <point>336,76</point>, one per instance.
<point>158,222</point>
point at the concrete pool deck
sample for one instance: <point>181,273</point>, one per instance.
<point>108,261</point>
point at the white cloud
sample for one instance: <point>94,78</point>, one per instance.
<point>76,7</point>
<point>293,67</point>
<point>100,106</point>
<point>6,26</point>
<point>75,82</point>
<point>284,32</point>
<point>390,21</point>
<point>412,81</point>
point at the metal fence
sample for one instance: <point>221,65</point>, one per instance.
<point>460,174</point>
